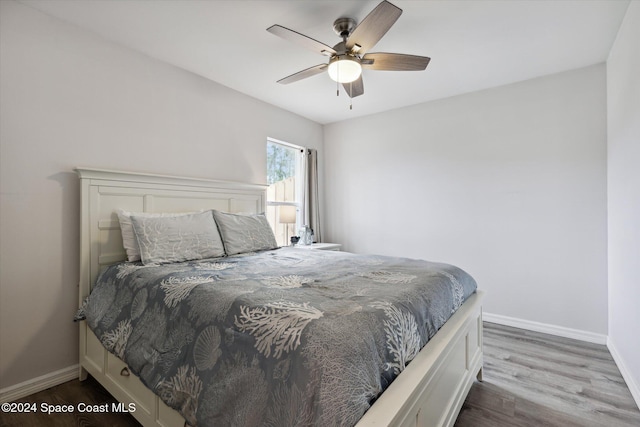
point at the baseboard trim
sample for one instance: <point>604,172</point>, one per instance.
<point>546,328</point>
<point>633,386</point>
<point>40,383</point>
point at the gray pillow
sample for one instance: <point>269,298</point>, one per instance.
<point>244,233</point>
<point>128,235</point>
<point>177,238</point>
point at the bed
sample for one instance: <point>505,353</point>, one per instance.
<point>432,382</point>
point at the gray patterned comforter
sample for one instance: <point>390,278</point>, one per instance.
<point>279,338</point>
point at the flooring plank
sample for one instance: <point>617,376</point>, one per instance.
<point>548,381</point>
<point>72,392</point>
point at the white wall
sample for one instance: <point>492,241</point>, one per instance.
<point>623,112</point>
<point>69,98</point>
<point>507,183</point>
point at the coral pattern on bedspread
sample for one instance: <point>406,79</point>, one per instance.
<point>277,338</point>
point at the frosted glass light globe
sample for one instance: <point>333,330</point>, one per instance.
<point>344,69</point>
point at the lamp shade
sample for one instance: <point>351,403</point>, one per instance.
<point>344,69</point>
<point>287,215</point>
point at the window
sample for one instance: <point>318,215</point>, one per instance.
<point>284,194</point>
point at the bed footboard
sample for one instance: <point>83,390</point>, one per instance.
<point>431,390</point>
<point>428,393</point>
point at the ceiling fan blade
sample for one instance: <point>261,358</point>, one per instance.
<point>311,71</point>
<point>301,39</point>
<point>355,88</point>
<point>395,62</point>
<point>374,26</point>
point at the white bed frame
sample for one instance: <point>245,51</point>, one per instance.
<point>429,392</point>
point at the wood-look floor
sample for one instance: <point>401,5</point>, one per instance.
<point>72,392</point>
<point>534,379</point>
<point>530,379</point>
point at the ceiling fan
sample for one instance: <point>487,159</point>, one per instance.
<point>350,56</point>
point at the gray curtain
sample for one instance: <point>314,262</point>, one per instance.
<point>311,207</point>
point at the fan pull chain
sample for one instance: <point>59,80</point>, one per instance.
<point>337,83</point>
<point>351,96</point>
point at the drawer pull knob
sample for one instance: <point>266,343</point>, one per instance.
<point>125,372</point>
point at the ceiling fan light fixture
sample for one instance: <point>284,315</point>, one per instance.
<point>347,58</point>
<point>344,69</point>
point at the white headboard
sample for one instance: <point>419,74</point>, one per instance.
<point>102,192</point>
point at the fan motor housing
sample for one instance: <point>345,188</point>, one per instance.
<point>344,26</point>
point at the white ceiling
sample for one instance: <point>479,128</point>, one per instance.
<point>473,44</point>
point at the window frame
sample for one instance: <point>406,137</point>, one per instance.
<point>299,185</point>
